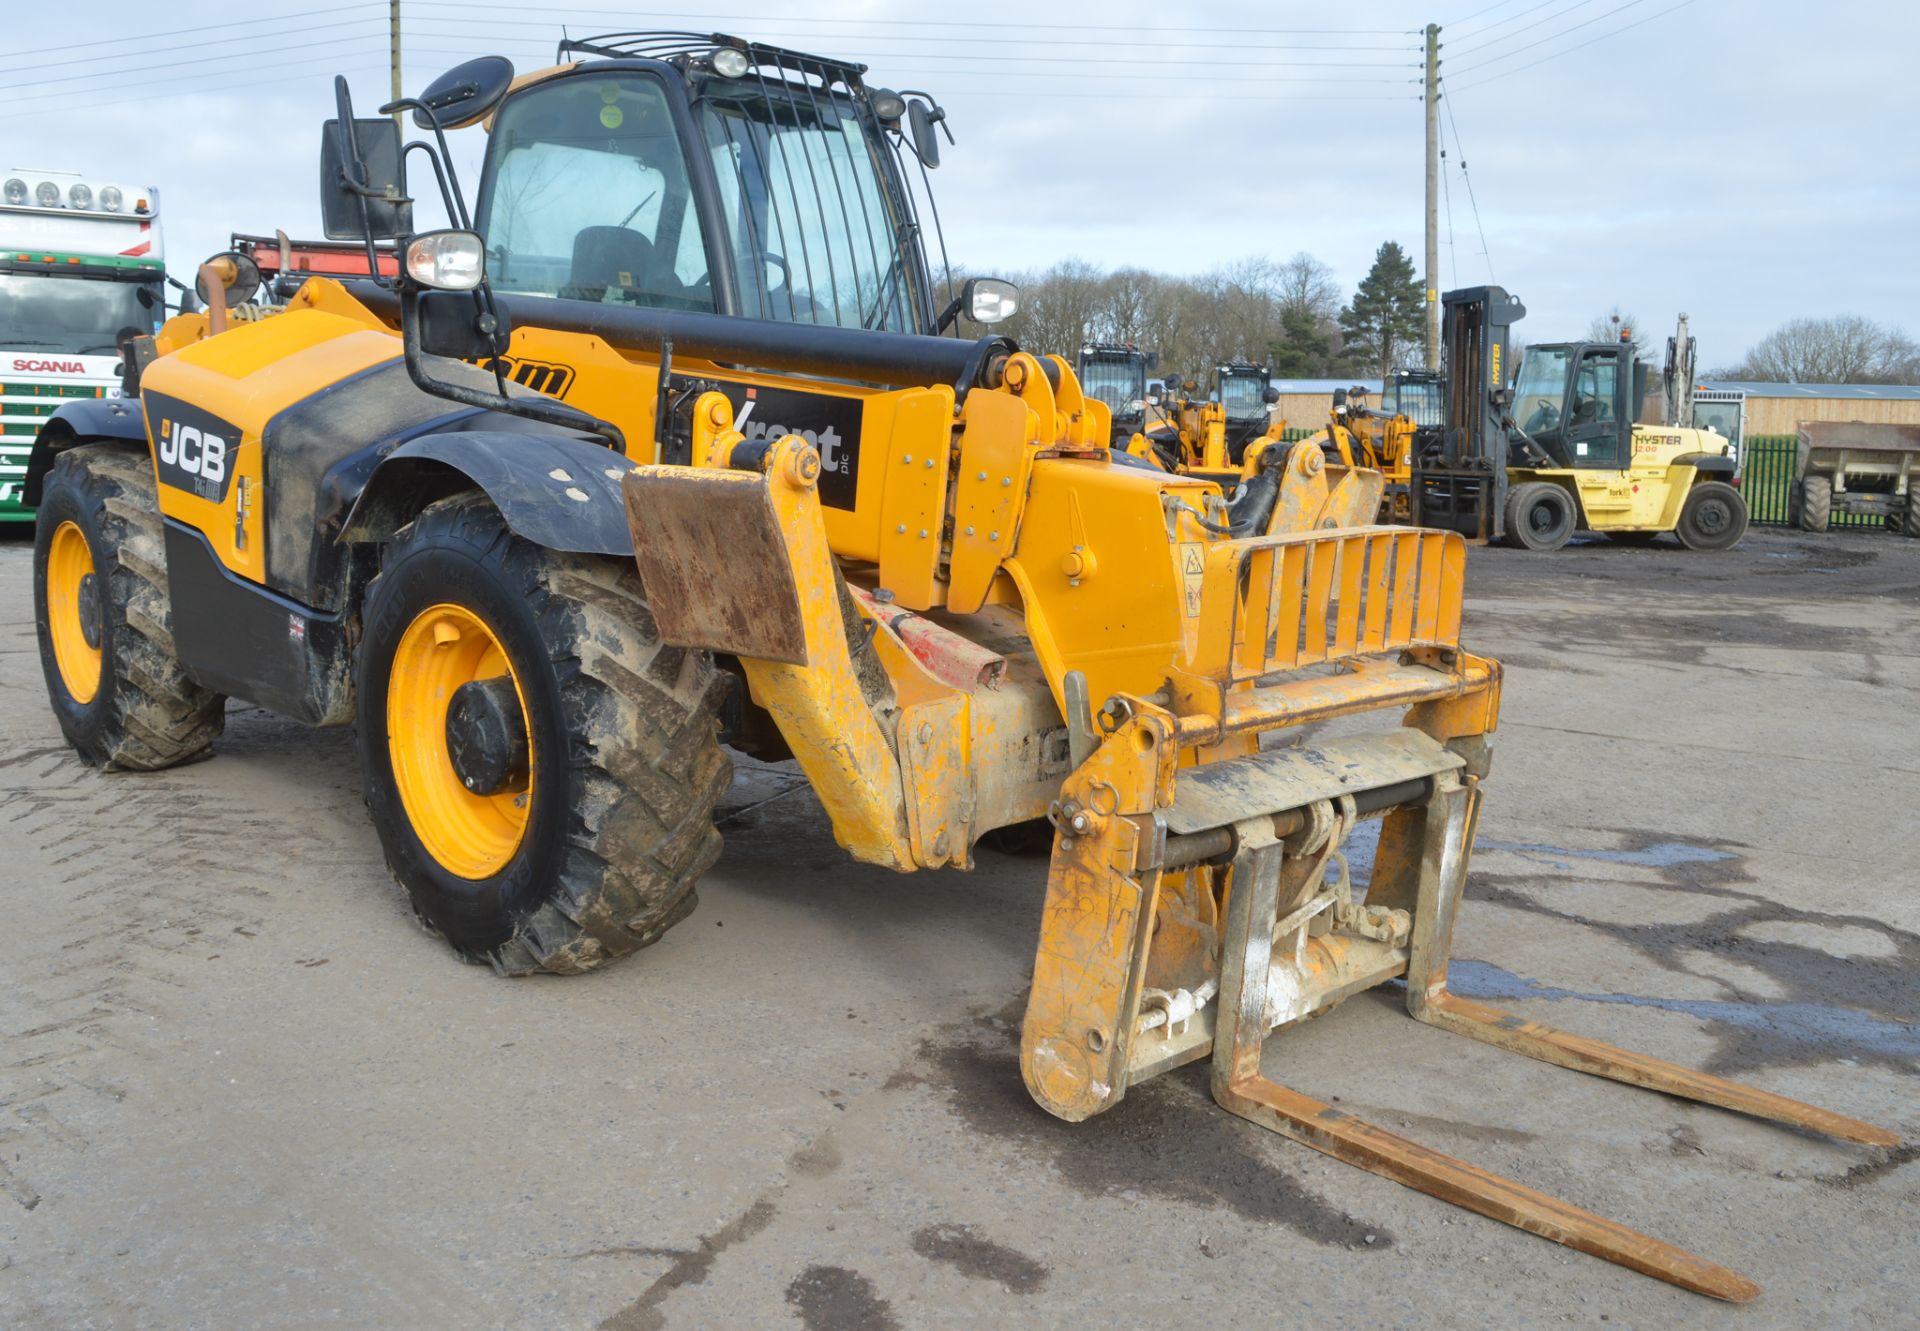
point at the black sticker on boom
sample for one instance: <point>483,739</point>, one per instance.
<point>195,449</point>
<point>831,424</point>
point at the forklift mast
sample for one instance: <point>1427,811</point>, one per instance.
<point>1460,480</point>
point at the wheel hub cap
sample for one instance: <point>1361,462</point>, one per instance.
<point>487,736</point>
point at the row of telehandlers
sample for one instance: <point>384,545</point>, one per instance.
<point>1527,460</point>
<point>662,448</point>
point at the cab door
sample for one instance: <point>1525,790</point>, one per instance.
<point>1597,437</point>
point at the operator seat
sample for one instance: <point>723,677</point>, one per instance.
<point>609,256</point>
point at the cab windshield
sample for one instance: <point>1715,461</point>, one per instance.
<point>813,236</point>
<point>1539,389</point>
<point>587,197</point>
<point>1120,383</point>
<point>81,316</point>
<point>1243,394</point>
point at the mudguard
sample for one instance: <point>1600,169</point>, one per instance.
<point>1718,465</point>
<point>82,421</point>
<point>557,491</point>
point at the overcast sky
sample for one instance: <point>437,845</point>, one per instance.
<point>1743,162</point>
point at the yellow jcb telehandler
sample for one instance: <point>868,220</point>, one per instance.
<point>930,580</point>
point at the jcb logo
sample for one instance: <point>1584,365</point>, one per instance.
<point>193,451</point>
<point>541,376</point>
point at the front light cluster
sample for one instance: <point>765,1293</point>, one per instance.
<point>79,196</point>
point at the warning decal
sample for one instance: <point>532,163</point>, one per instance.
<point>1193,567</point>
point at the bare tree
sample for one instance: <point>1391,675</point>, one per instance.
<point>1303,283</point>
<point>1608,327</point>
<point>1844,349</point>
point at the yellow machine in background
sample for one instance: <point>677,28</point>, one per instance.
<point>933,583</point>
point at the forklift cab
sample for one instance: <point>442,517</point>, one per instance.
<point>1573,406</point>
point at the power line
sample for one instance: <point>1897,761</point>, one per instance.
<point>706,17</point>
<point>1511,18</point>
<point>189,46</point>
<point>1500,4</point>
<point>1509,36</point>
<point>48,102</point>
<point>211,27</point>
<point>1050,75</point>
<point>1467,180</point>
<point>1552,36</point>
<point>1446,192</point>
<point>1134,43</point>
<point>205,60</point>
<point>1097,60</point>
<point>224,86</point>
<point>1601,37</point>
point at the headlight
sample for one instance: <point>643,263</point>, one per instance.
<point>80,196</point>
<point>47,194</point>
<point>888,104</point>
<point>110,198</point>
<point>729,63</point>
<point>990,300</point>
<point>16,191</point>
<point>447,260</point>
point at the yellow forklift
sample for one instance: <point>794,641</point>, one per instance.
<point>1559,450</point>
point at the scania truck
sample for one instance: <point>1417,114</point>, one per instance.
<point>81,271</point>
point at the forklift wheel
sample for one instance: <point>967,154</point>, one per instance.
<point>105,623</point>
<point>1540,516</point>
<point>1713,518</point>
<point>542,770</point>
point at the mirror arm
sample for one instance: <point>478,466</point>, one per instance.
<point>949,315</point>
<point>536,408</point>
<point>440,177</point>
<point>449,183</point>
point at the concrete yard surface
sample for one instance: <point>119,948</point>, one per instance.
<point>240,1087</point>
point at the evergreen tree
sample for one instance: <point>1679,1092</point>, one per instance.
<point>1382,325</point>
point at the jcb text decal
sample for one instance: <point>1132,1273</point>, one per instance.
<point>195,450</point>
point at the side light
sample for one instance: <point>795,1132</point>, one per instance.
<point>447,260</point>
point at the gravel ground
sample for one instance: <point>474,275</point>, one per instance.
<point>239,1086</point>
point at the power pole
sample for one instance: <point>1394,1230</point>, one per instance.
<point>1433,195</point>
<point>393,57</point>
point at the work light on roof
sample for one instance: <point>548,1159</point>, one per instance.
<point>729,63</point>
<point>80,196</point>
<point>47,194</point>
<point>111,199</point>
<point>16,191</point>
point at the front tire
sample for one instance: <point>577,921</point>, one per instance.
<point>1714,517</point>
<point>1911,525</point>
<point>105,619</point>
<point>584,842</point>
<point>1540,516</point>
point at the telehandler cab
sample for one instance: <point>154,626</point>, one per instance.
<point>1117,375</point>
<point>926,574</point>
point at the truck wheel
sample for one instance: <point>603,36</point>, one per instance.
<point>542,770</point>
<point>1540,516</point>
<point>1713,518</point>
<point>105,620</point>
<point>1816,503</point>
<point>1912,522</point>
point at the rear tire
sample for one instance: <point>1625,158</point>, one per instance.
<point>1911,525</point>
<point>106,636</point>
<point>1540,516</point>
<point>1816,503</point>
<point>1714,517</point>
<point>623,764</point>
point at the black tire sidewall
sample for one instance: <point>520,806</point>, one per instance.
<point>1712,492</point>
<point>475,915</point>
<point>68,498</point>
<point>1530,498</point>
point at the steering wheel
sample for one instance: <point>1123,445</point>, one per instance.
<point>1544,418</point>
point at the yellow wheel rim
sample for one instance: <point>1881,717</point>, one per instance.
<point>74,611</point>
<point>472,836</point>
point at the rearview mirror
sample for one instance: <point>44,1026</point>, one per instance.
<point>921,120</point>
<point>382,182</point>
<point>1270,396</point>
<point>466,94</point>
